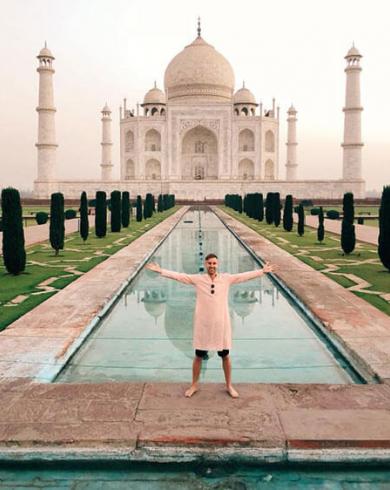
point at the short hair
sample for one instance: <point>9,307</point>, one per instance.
<point>211,256</point>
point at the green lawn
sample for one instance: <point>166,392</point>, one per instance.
<point>363,262</point>
<point>77,256</point>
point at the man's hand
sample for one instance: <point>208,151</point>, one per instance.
<point>153,267</point>
<point>268,268</point>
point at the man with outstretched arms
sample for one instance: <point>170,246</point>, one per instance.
<point>212,329</point>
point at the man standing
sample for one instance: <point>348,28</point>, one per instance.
<point>212,329</point>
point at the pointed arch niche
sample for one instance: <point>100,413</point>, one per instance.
<point>152,140</point>
<point>199,154</point>
<point>269,170</point>
<point>129,170</point>
<point>246,140</point>
<point>153,169</point>
<point>269,141</point>
<point>246,169</point>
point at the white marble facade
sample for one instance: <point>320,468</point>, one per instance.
<point>200,139</point>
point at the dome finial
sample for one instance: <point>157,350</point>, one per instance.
<point>199,27</point>
<point>243,84</point>
<point>155,84</point>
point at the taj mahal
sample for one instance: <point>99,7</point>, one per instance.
<point>199,138</point>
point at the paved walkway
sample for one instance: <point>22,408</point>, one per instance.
<point>364,233</point>
<point>40,233</point>
<point>154,421</point>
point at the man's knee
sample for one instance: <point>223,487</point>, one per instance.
<point>223,353</point>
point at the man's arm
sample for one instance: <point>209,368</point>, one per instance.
<point>247,276</point>
<point>178,276</point>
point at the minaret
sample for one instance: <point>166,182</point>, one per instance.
<point>46,124</point>
<point>106,144</point>
<point>352,146</point>
<point>291,165</point>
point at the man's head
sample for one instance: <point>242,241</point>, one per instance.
<point>211,263</point>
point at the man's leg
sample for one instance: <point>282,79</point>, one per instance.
<point>196,366</point>
<point>227,369</point>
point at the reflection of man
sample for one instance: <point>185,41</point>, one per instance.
<point>212,329</point>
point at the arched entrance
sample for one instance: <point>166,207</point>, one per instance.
<point>199,154</point>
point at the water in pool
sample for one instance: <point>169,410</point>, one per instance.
<point>147,336</point>
<point>152,476</point>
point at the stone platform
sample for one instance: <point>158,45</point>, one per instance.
<point>154,421</point>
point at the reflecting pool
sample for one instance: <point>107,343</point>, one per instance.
<point>148,333</point>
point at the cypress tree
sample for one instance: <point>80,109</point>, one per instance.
<point>101,214</point>
<point>116,207</point>
<point>288,213</point>
<point>260,207</point>
<point>165,202</point>
<point>139,208</point>
<point>14,254</point>
<point>84,223</point>
<point>57,221</point>
<point>269,208</point>
<point>348,239</point>
<point>384,228</point>
<point>148,208</point>
<point>125,209</point>
<point>160,204</point>
<point>301,220</point>
<point>276,206</point>
<point>245,204</point>
<point>320,229</point>
<point>239,204</point>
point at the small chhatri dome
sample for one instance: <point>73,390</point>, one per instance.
<point>199,72</point>
<point>244,96</point>
<point>353,52</point>
<point>45,53</point>
<point>154,96</point>
<point>106,108</point>
<point>292,110</point>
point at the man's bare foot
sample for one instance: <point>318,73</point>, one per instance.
<point>232,392</point>
<point>193,389</point>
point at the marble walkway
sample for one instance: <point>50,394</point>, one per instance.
<point>364,233</point>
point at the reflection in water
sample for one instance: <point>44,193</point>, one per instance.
<point>148,333</point>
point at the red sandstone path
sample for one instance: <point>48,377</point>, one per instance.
<point>364,233</point>
<point>40,233</point>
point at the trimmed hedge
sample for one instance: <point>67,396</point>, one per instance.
<point>101,214</point>
<point>57,222</point>
<point>84,223</point>
<point>333,214</point>
<point>70,214</point>
<point>288,221</point>
<point>41,217</point>
<point>14,253</point>
<point>384,228</point>
<point>116,208</point>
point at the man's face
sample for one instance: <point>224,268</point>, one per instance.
<point>212,265</point>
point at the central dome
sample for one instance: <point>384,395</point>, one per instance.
<point>199,72</point>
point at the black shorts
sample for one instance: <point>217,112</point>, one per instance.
<point>204,353</point>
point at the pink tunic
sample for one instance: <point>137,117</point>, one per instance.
<point>212,328</point>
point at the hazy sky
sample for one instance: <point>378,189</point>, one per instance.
<point>106,50</point>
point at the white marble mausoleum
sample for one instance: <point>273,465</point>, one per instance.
<point>199,138</point>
